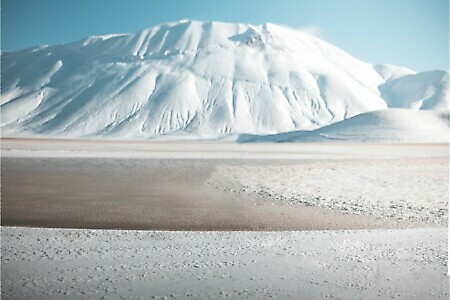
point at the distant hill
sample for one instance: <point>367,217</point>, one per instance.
<point>387,126</point>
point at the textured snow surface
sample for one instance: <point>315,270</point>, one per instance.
<point>414,190</point>
<point>389,125</point>
<point>399,184</point>
<point>90,264</point>
<point>203,79</point>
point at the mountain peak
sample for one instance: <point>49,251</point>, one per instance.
<point>199,78</point>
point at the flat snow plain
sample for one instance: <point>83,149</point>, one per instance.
<point>400,190</point>
<point>91,264</point>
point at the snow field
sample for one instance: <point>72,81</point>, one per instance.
<point>402,183</point>
<point>86,264</point>
<point>398,190</point>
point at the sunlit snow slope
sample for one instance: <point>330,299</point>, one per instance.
<point>201,80</point>
<point>388,125</point>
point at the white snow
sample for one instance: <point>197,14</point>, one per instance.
<point>217,150</point>
<point>383,126</point>
<point>389,72</point>
<point>426,90</point>
<point>87,264</point>
<point>413,190</point>
<point>208,79</point>
<point>392,181</point>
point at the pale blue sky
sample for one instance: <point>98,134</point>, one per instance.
<point>411,33</point>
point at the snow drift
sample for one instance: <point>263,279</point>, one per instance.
<point>390,125</point>
<point>202,79</point>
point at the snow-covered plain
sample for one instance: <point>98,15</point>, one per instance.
<point>414,190</point>
<point>110,264</point>
<point>405,185</point>
<point>51,147</point>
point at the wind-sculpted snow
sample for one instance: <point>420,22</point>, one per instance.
<point>389,125</point>
<point>427,90</point>
<point>199,79</point>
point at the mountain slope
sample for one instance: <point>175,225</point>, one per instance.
<point>206,78</point>
<point>389,125</point>
<point>199,79</point>
<point>426,90</point>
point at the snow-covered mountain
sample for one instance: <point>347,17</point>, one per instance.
<point>202,80</point>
